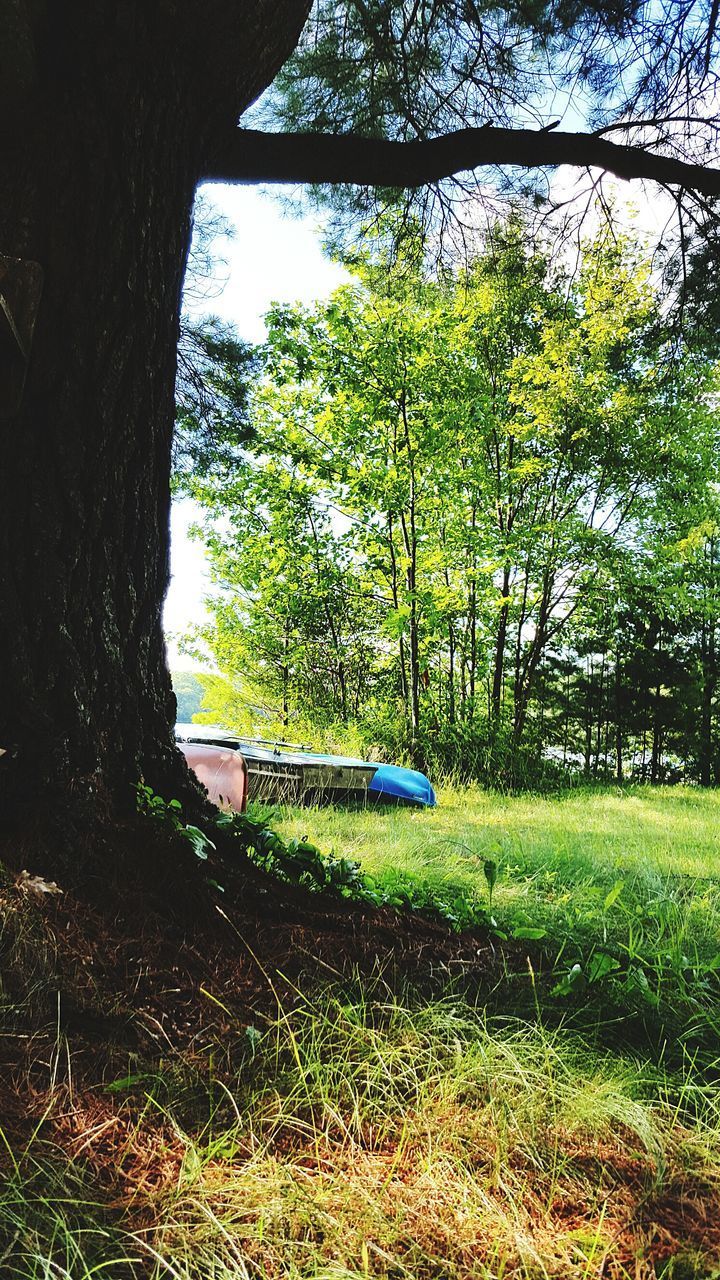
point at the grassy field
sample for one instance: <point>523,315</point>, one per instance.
<point>637,867</point>
<point>551,1111</point>
<point>583,836</point>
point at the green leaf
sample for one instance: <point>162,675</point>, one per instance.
<point>253,1037</point>
<point>201,843</point>
<point>571,982</point>
<point>614,894</point>
<point>600,965</point>
<point>129,1081</point>
<point>490,869</point>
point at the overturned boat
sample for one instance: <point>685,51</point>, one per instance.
<point>222,771</point>
<point>280,772</point>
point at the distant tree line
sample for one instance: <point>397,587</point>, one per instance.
<point>473,521</point>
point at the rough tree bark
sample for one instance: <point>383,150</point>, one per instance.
<point>109,115</point>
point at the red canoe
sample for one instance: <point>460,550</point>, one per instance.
<point>221,770</point>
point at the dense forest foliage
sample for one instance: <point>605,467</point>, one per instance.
<point>472,521</point>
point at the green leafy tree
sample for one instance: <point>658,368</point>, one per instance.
<point>291,618</point>
<point>444,474</point>
<point>189,691</point>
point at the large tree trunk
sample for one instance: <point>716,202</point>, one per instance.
<point>110,111</point>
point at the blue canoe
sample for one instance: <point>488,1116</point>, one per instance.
<point>391,781</point>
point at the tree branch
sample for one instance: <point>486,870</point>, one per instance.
<point>249,155</point>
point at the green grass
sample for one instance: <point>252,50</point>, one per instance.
<point>625,884</point>
<point>521,1125</point>
<point>390,1138</point>
<point>376,1134</point>
<point>557,856</point>
<point>582,836</point>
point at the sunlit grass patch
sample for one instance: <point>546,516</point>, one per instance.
<point>586,832</point>
<point>389,1140</point>
<point>616,893</point>
<point>637,866</point>
<point>372,1134</point>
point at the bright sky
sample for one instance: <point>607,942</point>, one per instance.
<point>273,258</point>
